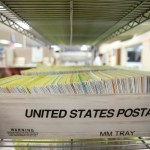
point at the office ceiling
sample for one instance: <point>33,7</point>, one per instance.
<point>77,21</point>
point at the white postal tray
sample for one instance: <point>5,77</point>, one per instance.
<point>42,117</point>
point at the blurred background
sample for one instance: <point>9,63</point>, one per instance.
<point>74,33</point>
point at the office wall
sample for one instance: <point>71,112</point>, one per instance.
<point>27,53</point>
<point>110,51</point>
<point>143,39</point>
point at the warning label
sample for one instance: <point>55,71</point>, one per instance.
<point>22,132</point>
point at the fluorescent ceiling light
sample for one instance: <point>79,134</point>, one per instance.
<point>1,7</point>
<point>5,42</point>
<point>55,47</point>
<point>23,25</point>
<point>18,45</point>
<point>85,47</point>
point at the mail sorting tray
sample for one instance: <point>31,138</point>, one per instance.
<point>138,143</point>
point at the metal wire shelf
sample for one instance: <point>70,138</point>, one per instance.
<point>139,143</point>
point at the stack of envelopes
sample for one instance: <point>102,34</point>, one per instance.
<point>105,81</point>
<point>63,70</point>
